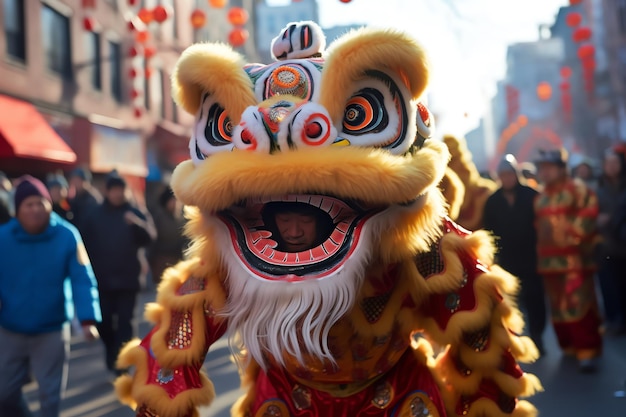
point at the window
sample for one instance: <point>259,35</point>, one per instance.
<point>113,4</point>
<point>621,6</point>
<point>56,41</point>
<point>14,29</point>
<point>94,66</point>
<point>175,19</point>
<point>174,112</point>
<point>160,77</point>
<point>115,52</point>
<point>147,93</point>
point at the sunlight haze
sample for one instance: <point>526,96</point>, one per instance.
<point>466,41</point>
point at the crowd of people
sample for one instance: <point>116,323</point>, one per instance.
<point>561,229</point>
<point>71,251</point>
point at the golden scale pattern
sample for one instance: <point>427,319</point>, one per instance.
<point>180,330</point>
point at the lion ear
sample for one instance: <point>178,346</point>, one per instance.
<point>366,49</point>
<point>215,69</point>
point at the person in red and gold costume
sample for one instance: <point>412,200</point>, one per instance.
<point>566,212</point>
<point>322,247</point>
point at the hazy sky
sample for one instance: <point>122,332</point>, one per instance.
<point>466,40</point>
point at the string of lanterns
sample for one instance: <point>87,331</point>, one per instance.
<point>142,51</point>
<point>582,36</point>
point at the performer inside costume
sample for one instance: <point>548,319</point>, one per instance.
<point>347,324</point>
<point>297,227</point>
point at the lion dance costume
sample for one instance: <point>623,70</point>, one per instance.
<point>398,312</point>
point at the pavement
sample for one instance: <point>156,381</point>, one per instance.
<point>568,393</point>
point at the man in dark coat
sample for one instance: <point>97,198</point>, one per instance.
<point>83,196</point>
<point>510,215</point>
<point>114,232</point>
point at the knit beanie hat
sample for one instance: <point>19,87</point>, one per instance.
<point>57,180</point>
<point>114,179</point>
<point>508,163</point>
<point>81,173</point>
<point>28,186</point>
<point>553,156</point>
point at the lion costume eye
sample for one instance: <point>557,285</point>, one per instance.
<point>365,113</point>
<point>377,114</point>
<point>213,130</point>
<point>309,126</point>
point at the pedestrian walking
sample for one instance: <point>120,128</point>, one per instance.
<point>567,238</point>
<point>58,189</point>
<point>42,257</point>
<point>6,205</point>
<point>114,232</point>
<point>612,262</point>
<point>170,244</point>
<point>509,213</point>
<point>83,196</point>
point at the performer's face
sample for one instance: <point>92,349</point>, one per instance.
<point>549,173</point>
<point>116,195</point>
<point>297,230</point>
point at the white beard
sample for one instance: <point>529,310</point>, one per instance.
<point>279,318</point>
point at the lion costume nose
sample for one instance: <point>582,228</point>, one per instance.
<point>284,123</point>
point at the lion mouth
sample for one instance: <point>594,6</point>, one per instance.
<point>257,243</point>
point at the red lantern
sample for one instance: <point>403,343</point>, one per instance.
<point>218,4</point>
<point>589,64</point>
<point>573,19</point>
<point>345,1</point>
<point>137,112</point>
<point>238,36</point>
<point>160,13</point>
<point>586,51</point>
<point>88,24</point>
<point>581,34</point>
<point>145,15</point>
<point>133,73</point>
<point>575,2</point>
<point>132,2</point>
<point>566,72</point>
<point>133,51</point>
<point>544,91</point>
<point>198,19</point>
<point>142,37</point>
<point>134,93</point>
<point>237,16</point>
<point>149,52</point>
<point>566,101</point>
<point>148,72</point>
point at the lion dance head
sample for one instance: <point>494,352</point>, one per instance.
<point>341,131</point>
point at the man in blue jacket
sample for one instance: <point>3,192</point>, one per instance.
<point>42,258</point>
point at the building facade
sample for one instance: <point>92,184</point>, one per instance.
<point>97,80</point>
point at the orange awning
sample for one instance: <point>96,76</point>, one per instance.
<point>24,133</point>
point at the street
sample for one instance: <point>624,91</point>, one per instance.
<point>567,392</point>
